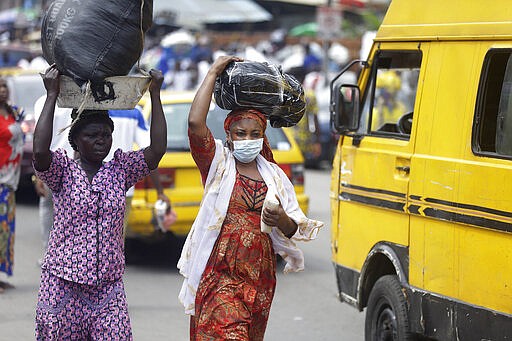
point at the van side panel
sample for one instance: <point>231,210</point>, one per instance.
<point>485,189</point>
<point>379,222</point>
<point>434,167</point>
<point>333,198</point>
<point>373,188</point>
<point>452,252</point>
<point>455,230</point>
<point>456,19</point>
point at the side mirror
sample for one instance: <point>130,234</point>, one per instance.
<point>345,108</point>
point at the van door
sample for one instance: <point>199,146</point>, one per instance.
<point>484,198</point>
<point>375,162</point>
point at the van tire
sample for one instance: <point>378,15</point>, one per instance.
<point>386,314</point>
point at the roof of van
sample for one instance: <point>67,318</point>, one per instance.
<point>446,20</point>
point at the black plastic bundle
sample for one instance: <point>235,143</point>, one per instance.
<point>264,87</point>
<point>92,40</point>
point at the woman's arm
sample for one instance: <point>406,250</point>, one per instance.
<point>278,217</point>
<point>201,103</point>
<point>44,127</point>
<point>158,128</point>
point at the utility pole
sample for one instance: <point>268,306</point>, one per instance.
<point>329,19</point>
<point>325,43</point>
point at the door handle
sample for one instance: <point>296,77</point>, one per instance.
<point>405,169</point>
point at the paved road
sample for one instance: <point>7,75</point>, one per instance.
<point>305,307</point>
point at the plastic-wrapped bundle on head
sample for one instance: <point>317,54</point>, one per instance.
<point>264,87</point>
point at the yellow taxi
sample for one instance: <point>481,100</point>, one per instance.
<point>181,178</point>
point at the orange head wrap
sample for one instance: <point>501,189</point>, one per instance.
<point>240,114</point>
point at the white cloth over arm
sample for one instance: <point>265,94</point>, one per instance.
<point>205,230</point>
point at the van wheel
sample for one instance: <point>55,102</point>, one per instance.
<point>386,314</point>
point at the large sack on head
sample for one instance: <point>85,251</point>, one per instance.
<point>264,87</point>
<point>95,39</point>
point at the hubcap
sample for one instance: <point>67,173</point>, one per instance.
<point>386,325</point>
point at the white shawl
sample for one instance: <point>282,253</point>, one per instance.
<point>205,230</point>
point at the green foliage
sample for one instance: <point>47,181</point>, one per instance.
<point>355,25</point>
<point>372,20</point>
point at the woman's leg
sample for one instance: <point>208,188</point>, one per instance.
<point>7,223</point>
<point>60,314</point>
<point>223,313</point>
<point>110,319</point>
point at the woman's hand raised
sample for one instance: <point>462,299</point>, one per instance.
<point>157,78</point>
<point>51,80</point>
<point>220,64</point>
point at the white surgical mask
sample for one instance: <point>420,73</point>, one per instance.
<point>246,151</point>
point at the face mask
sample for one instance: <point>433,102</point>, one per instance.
<point>246,151</point>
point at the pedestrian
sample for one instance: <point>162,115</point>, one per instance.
<point>11,149</point>
<point>228,263</point>
<point>81,293</point>
<point>388,107</point>
<point>131,128</point>
<point>307,130</point>
<point>61,120</point>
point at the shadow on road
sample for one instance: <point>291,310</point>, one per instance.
<point>161,253</point>
<point>26,195</point>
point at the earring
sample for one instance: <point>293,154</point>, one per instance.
<point>229,144</point>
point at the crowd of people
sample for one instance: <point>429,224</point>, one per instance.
<point>184,59</point>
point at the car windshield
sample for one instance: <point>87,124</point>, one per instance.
<point>176,115</point>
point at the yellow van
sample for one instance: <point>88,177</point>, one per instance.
<point>421,196</point>
<point>179,174</point>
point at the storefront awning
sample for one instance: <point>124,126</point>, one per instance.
<point>196,13</point>
<point>304,2</point>
<point>350,3</point>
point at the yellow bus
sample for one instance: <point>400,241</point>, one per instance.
<point>421,197</point>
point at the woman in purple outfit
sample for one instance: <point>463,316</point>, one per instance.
<point>81,294</point>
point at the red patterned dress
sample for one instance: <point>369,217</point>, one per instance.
<point>237,286</point>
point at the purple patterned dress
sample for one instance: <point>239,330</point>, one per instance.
<point>81,295</point>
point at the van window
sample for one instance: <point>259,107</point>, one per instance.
<point>390,95</point>
<point>492,131</point>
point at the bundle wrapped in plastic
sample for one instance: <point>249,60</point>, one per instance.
<point>93,40</point>
<point>264,87</point>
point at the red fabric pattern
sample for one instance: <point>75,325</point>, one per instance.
<point>6,150</point>
<point>203,151</point>
<point>237,287</point>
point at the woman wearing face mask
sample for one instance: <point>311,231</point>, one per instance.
<point>228,263</point>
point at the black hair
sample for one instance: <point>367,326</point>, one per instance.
<point>86,117</point>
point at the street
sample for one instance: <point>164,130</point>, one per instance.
<point>305,306</point>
